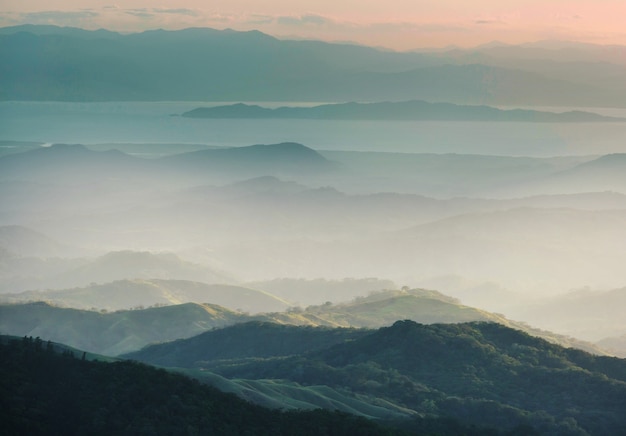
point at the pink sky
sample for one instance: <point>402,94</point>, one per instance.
<point>397,24</point>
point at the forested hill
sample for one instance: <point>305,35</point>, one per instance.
<point>479,373</point>
<point>44,393</point>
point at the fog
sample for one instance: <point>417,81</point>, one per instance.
<point>519,216</point>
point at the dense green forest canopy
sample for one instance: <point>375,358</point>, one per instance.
<point>479,373</point>
<point>43,392</point>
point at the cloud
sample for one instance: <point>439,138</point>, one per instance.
<point>179,11</point>
<point>153,12</point>
<point>303,20</point>
<point>568,17</point>
<point>259,19</point>
<point>140,13</point>
<point>481,22</point>
<point>58,16</point>
<point>390,27</point>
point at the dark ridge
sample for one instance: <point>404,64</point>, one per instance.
<point>480,373</point>
<point>44,393</point>
<point>253,339</point>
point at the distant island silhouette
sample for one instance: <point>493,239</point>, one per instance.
<point>406,110</point>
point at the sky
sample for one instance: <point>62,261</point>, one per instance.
<point>393,24</point>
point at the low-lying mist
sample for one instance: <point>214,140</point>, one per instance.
<point>499,233</point>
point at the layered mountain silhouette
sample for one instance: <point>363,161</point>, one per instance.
<point>137,265</point>
<point>127,294</point>
<point>409,110</point>
<point>63,163</point>
<point>212,65</point>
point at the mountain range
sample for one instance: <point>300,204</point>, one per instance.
<point>211,65</point>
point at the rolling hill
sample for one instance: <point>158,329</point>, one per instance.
<point>112,333</point>
<point>127,264</point>
<point>123,331</point>
<point>254,160</point>
<point>383,308</point>
<point>480,373</point>
<point>253,339</point>
<point>127,294</point>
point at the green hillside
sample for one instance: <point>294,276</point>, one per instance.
<point>480,373</point>
<point>252,339</point>
<point>286,395</point>
<point>43,393</point>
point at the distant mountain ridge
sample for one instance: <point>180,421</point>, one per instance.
<point>129,294</point>
<point>291,152</point>
<point>202,64</point>
<point>408,110</point>
<point>128,264</point>
<point>254,161</point>
<point>75,163</point>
